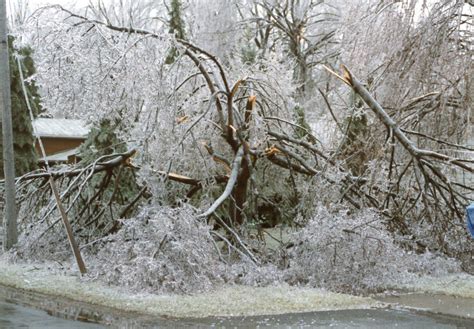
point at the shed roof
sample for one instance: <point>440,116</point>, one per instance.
<point>59,157</point>
<point>60,128</point>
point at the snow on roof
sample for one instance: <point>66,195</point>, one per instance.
<point>59,157</point>
<point>60,128</point>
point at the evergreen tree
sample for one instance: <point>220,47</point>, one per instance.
<point>177,28</point>
<point>300,117</point>
<point>23,140</point>
<point>102,140</point>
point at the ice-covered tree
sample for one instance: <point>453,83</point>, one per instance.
<point>222,134</point>
<point>23,140</point>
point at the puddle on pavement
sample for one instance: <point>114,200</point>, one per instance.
<point>17,300</point>
<point>17,316</point>
<point>436,303</point>
<point>377,318</point>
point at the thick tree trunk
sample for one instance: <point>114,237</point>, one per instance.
<point>239,195</point>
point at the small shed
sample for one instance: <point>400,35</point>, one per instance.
<point>60,137</point>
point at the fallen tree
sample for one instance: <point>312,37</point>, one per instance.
<point>242,135</point>
<point>441,198</point>
<point>83,202</point>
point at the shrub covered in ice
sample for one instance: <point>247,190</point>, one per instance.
<point>42,241</point>
<point>354,252</point>
<point>166,249</point>
<point>162,249</point>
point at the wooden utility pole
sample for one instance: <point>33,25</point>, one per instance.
<point>9,215</point>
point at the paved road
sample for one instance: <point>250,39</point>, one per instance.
<point>440,304</point>
<point>369,319</point>
<point>16,316</point>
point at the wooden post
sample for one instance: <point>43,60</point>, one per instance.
<point>10,213</point>
<point>67,226</point>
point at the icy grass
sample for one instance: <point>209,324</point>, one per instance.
<point>166,250</point>
<point>227,301</point>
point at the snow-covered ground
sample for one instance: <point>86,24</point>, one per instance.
<point>226,301</point>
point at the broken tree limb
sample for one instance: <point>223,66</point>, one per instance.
<point>414,151</point>
<point>219,179</point>
<point>178,178</point>
<point>119,159</point>
<point>191,181</point>
<point>429,195</point>
<point>230,183</point>
<point>97,166</point>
